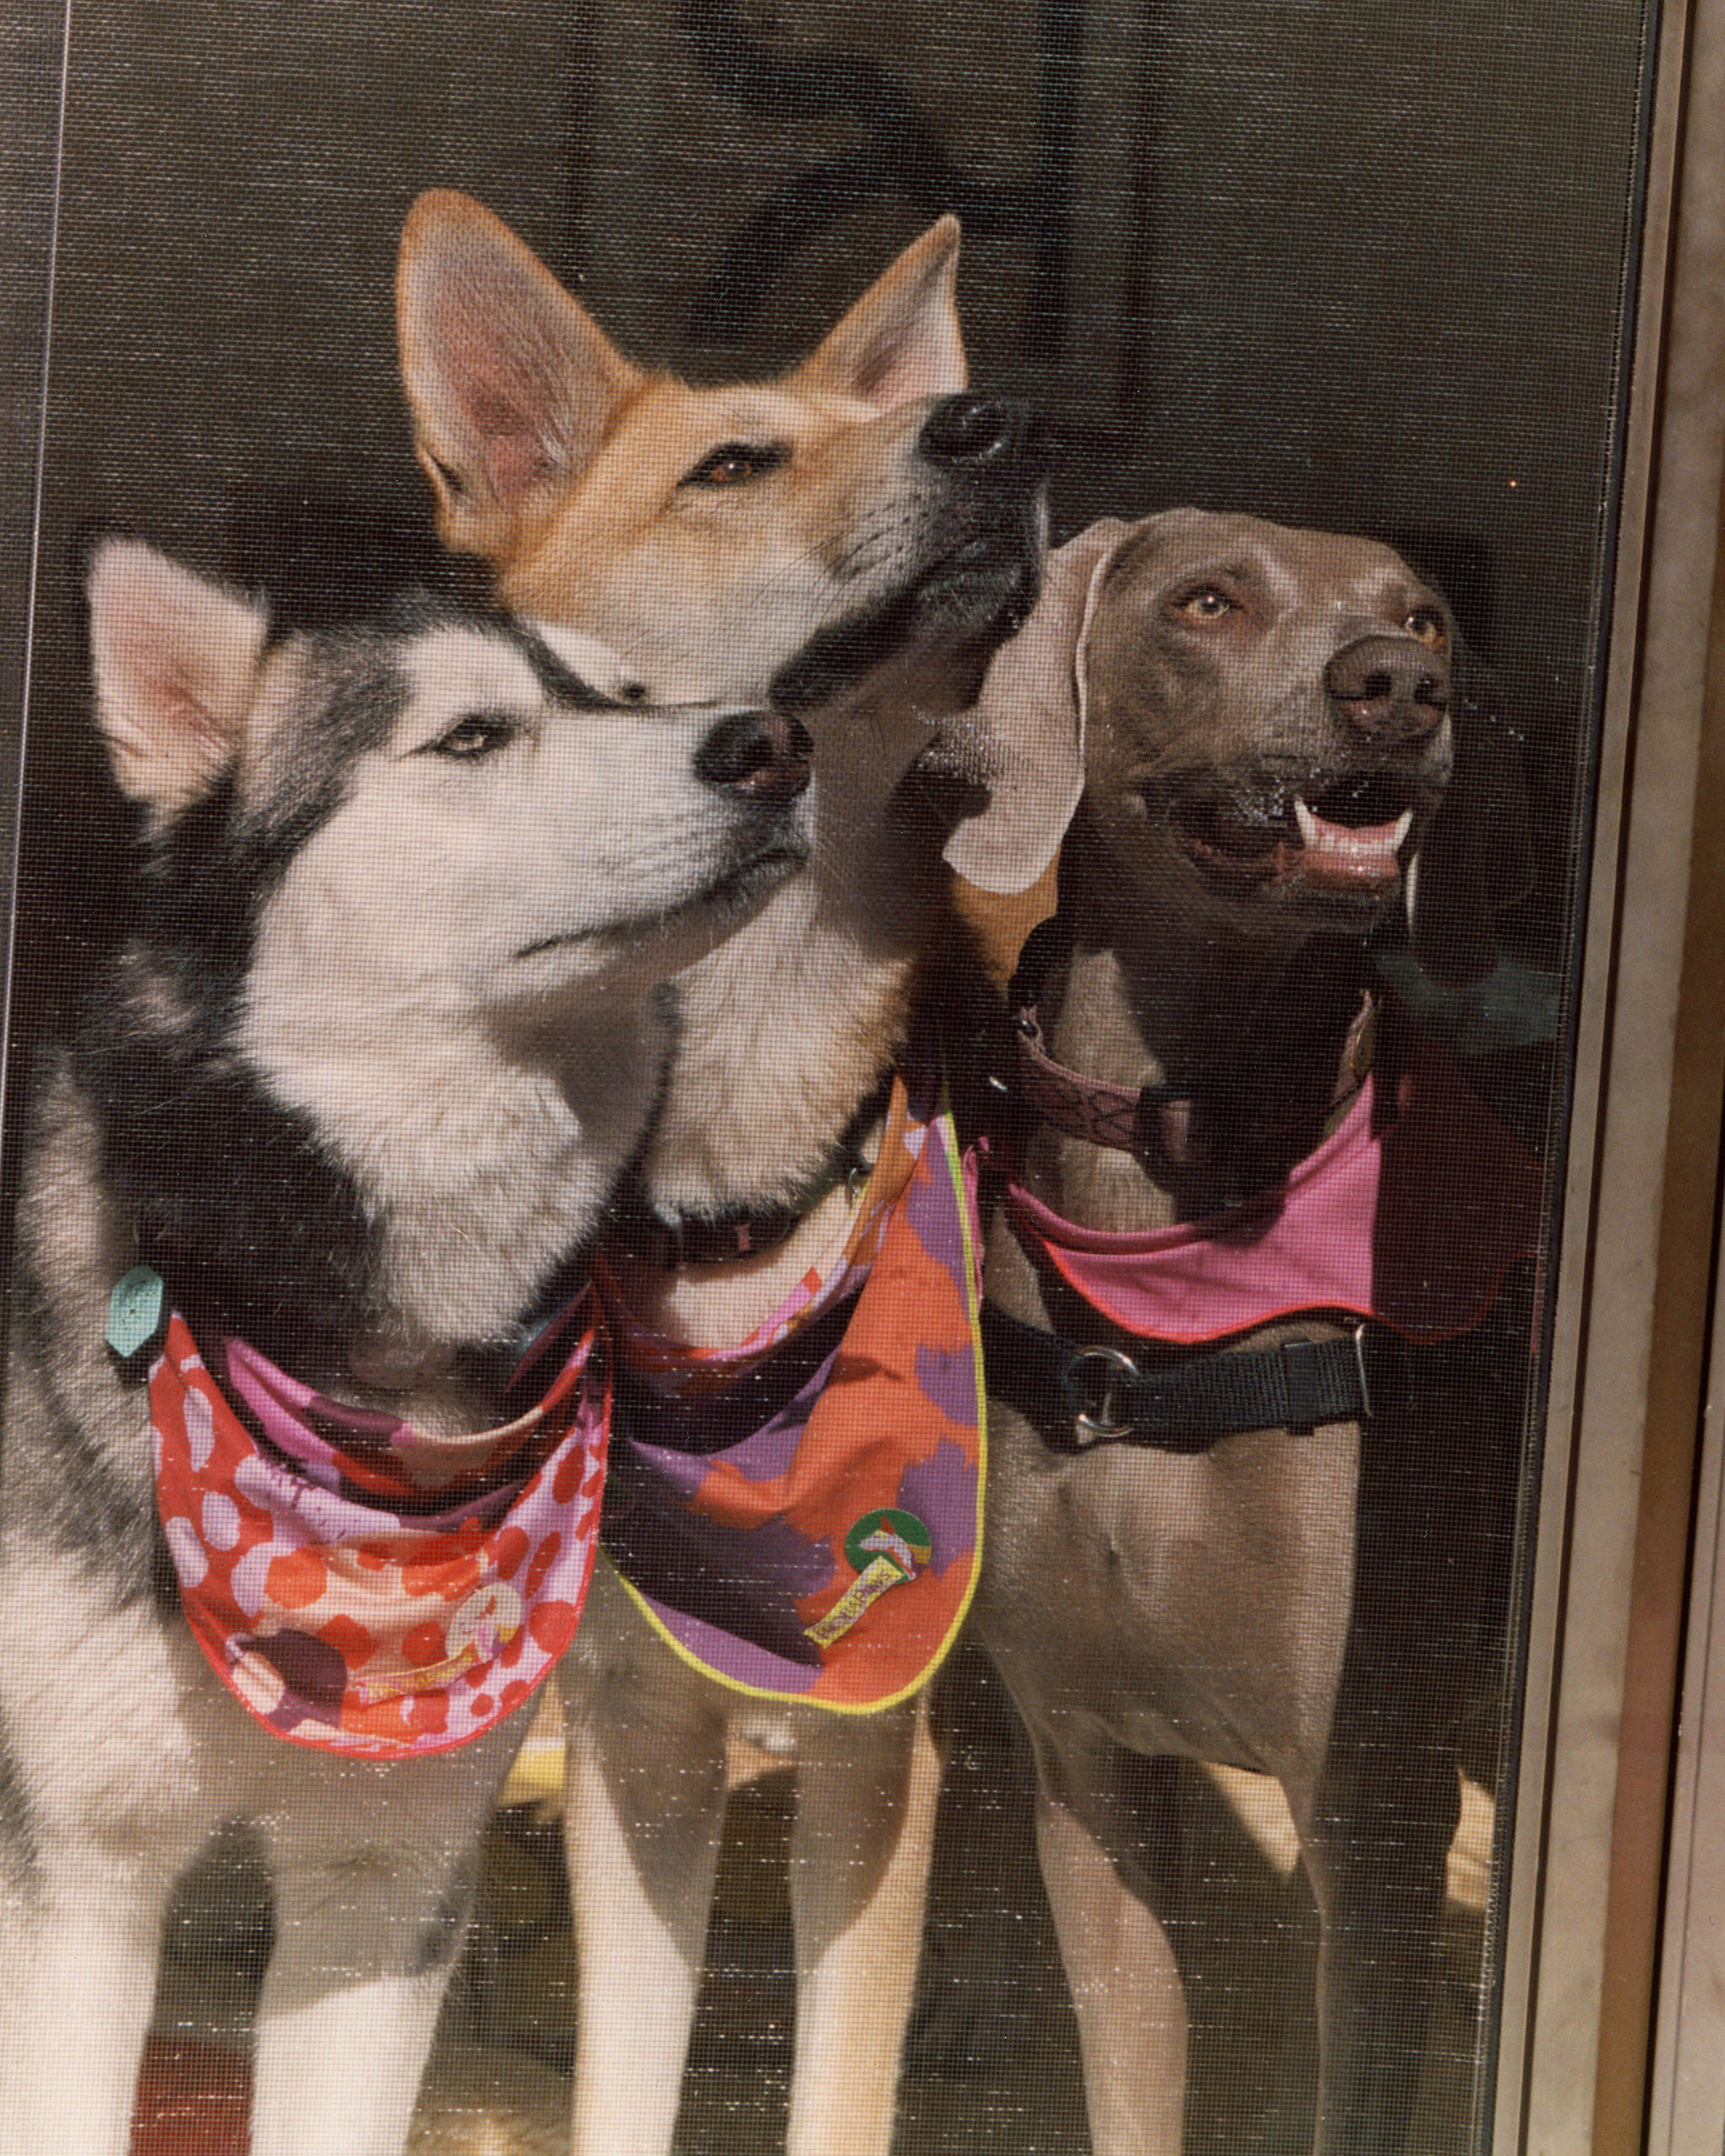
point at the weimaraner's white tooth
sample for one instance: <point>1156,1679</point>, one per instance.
<point>1306,821</point>
<point>1404,824</point>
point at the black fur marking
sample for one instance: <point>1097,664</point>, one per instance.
<point>69,1494</point>
<point>252,1213</point>
<point>977,605</point>
<point>358,695</point>
<point>18,1835</point>
<point>247,1210</point>
<point>557,680</point>
<point>837,658</point>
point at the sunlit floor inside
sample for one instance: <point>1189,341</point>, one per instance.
<point>992,2062</point>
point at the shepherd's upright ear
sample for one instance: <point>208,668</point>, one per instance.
<point>1477,858</point>
<point>1024,735</point>
<point>174,660</point>
<point>901,341</point>
<point>511,383</point>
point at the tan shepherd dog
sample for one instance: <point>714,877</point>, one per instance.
<point>852,541</point>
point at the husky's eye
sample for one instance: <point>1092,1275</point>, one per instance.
<point>1429,625</point>
<point>476,735</point>
<point>734,463</point>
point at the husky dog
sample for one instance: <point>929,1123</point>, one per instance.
<point>356,1078</point>
<point>856,537</point>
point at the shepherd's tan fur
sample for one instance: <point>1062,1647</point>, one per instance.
<point>717,538</point>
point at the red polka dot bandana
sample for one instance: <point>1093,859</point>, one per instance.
<point>360,1586</point>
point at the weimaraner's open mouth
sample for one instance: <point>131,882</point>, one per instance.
<point>1343,835</point>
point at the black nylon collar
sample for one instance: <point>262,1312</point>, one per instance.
<point>1080,1396</point>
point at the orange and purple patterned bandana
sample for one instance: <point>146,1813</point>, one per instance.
<point>800,1516</point>
<point>360,1586</point>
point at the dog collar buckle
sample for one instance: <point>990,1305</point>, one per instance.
<point>1368,1406</point>
<point>1093,1382</point>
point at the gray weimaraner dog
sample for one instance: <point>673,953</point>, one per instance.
<point>1245,1508</point>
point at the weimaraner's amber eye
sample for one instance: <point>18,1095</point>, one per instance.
<point>726,471</point>
<point>1429,625</point>
<point>1205,602</point>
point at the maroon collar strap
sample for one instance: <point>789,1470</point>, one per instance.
<point>1168,1120</point>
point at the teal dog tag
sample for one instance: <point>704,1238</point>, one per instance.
<point>137,1312</point>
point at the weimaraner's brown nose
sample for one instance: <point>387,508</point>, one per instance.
<point>1392,689</point>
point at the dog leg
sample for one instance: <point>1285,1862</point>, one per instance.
<point>867,1788</point>
<point>1377,1818</point>
<point>374,1871</point>
<point>78,1967</point>
<point>644,1814</point>
<point>1375,1851</point>
<point>1091,1831</point>
<point>107,1799</point>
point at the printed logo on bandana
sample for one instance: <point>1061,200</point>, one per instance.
<point>900,1537</point>
<point>478,1631</point>
<point>887,1548</point>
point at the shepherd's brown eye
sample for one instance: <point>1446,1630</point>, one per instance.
<point>734,463</point>
<point>1429,625</point>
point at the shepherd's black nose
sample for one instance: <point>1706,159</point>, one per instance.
<point>758,753</point>
<point>980,432</point>
<point>1390,688</point>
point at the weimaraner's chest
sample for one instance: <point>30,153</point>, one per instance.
<point>1181,1603</point>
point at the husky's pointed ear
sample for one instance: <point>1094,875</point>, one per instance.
<point>901,341</point>
<point>174,658</point>
<point>1477,856</point>
<point>511,382</point>
<point>1024,735</point>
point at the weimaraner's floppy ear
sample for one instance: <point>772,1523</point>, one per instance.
<point>1477,856</point>
<point>1024,735</point>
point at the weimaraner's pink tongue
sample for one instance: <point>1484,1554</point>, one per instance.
<point>1343,853</point>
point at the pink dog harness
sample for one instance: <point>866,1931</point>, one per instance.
<point>1409,1213</point>
<point>357,1585</point>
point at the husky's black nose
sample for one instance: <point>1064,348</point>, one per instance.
<point>981,432</point>
<point>758,753</point>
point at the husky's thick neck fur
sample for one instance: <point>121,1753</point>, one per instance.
<point>386,1025</point>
